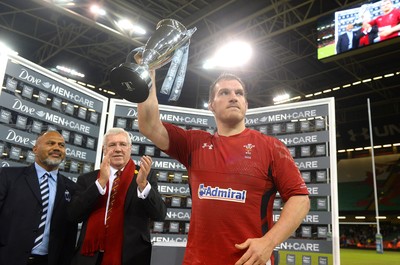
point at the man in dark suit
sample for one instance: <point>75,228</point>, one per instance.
<point>366,35</point>
<point>31,232</point>
<point>115,228</point>
<point>347,40</point>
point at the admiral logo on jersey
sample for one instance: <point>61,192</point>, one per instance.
<point>216,193</point>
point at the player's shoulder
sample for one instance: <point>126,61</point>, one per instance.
<point>268,141</point>
<point>262,136</point>
<point>200,134</point>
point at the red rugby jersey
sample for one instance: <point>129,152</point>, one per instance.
<point>233,184</point>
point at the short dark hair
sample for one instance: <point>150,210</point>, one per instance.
<point>224,76</point>
<point>46,131</point>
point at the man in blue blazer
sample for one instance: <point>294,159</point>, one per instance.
<point>116,204</point>
<point>347,40</point>
<point>22,241</point>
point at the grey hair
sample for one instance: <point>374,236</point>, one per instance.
<point>114,131</point>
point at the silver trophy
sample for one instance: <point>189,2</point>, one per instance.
<point>132,81</point>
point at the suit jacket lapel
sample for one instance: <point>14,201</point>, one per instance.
<point>60,192</point>
<point>32,180</point>
<point>131,193</point>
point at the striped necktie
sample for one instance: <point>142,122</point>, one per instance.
<point>113,194</point>
<point>44,192</point>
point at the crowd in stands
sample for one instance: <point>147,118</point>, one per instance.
<point>364,236</point>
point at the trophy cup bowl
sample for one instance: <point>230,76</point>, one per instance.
<point>131,80</point>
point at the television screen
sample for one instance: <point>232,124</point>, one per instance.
<point>357,27</point>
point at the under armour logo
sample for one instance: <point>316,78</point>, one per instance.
<point>353,135</point>
<point>209,146</point>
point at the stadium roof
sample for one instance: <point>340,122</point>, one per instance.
<point>282,33</point>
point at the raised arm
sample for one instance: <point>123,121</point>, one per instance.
<point>149,119</point>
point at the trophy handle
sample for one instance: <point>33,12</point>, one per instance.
<point>159,55</point>
<point>131,56</point>
<point>132,80</point>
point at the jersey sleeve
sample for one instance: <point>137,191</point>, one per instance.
<point>179,147</point>
<point>285,172</point>
<point>372,22</point>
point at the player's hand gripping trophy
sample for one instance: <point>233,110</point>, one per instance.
<point>170,40</point>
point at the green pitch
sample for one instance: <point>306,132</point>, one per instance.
<point>368,257</point>
<point>349,257</point>
<point>326,51</point>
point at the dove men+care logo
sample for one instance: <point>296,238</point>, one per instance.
<point>54,88</point>
<point>23,107</point>
<point>25,139</point>
<point>19,138</point>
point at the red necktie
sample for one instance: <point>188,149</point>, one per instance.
<point>114,191</point>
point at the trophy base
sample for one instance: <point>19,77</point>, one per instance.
<point>131,81</point>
